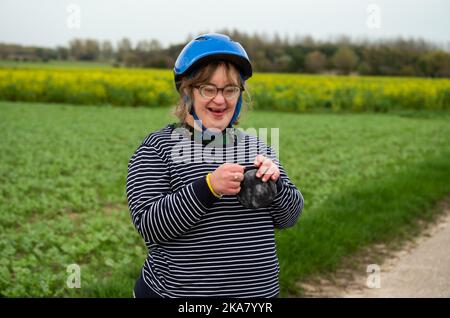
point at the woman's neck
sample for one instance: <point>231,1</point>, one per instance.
<point>191,122</point>
<point>228,138</point>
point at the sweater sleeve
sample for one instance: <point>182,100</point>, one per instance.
<point>158,213</point>
<point>288,204</point>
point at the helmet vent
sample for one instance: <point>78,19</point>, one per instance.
<point>201,38</point>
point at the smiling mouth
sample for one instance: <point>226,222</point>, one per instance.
<point>217,111</point>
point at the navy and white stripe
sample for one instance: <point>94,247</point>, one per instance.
<point>200,245</point>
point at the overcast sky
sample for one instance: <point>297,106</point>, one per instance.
<point>55,22</point>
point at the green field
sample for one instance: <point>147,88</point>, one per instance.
<point>366,178</point>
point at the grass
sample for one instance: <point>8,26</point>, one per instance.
<point>384,211</point>
<point>366,178</point>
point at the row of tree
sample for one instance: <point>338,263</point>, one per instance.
<point>395,57</point>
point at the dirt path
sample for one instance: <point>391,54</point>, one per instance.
<point>420,269</point>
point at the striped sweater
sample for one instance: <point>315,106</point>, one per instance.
<point>200,245</point>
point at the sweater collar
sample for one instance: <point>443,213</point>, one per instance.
<point>229,135</point>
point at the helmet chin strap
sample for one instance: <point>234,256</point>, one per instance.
<point>237,111</point>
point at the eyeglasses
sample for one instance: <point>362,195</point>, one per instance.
<point>210,91</point>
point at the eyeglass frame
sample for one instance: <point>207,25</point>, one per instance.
<point>241,89</point>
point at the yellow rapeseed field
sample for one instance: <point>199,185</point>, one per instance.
<point>290,92</point>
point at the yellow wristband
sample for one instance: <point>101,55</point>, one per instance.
<point>210,187</point>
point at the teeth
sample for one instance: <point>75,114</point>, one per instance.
<point>216,110</point>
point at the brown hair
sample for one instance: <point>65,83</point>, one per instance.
<point>202,76</point>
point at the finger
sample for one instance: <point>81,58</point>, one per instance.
<point>269,173</point>
<point>234,185</point>
<point>234,167</point>
<point>259,160</point>
<point>276,175</point>
<point>236,176</point>
<point>264,167</point>
<point>230,165</point>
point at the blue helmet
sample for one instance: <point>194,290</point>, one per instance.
<point>209,47</point>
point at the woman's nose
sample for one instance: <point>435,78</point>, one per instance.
<point>219,99</point>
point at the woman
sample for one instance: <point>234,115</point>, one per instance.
<point>202,241</point>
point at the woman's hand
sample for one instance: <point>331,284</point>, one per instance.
<point>267,168</point>
<point>227,178</point>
